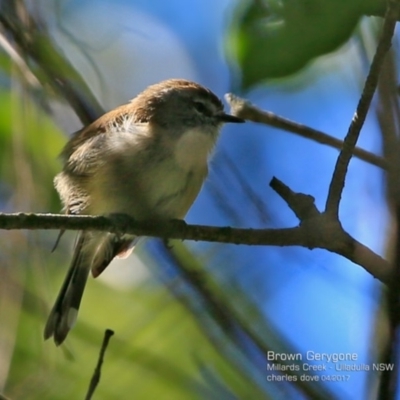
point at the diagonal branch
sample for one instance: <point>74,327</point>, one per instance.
<point>245,109</point>
<point>339,174</point>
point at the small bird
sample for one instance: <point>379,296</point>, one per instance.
<point>147,159</point>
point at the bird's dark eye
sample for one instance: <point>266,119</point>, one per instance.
<point>201,108</point>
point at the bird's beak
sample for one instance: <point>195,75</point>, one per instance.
<point>229,118</point>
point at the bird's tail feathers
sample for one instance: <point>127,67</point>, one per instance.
<point>93,251</point>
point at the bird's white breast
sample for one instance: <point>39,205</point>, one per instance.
<point>192,149</point>
<point>146,186</point>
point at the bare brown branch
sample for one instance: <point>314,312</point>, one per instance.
<point>339,174</point>
<point>318,230</point>
<point>245,109</point>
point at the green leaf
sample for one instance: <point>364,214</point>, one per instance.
<point>273,39</point>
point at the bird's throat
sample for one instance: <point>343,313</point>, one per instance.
<point>192,149</point>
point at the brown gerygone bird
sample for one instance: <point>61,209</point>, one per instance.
<point>147,159</point>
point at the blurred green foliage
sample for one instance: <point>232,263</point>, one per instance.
<point>29,145</point>
<point>151,355</point>
<point>273,39</point>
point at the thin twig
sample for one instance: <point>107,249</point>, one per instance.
<point>340,171</point>
<point>97,372</point>
<point>245,109</point>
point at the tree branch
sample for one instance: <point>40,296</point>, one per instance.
<point>245,109</point>
<point>339,175</point>
<point>316,230</point>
